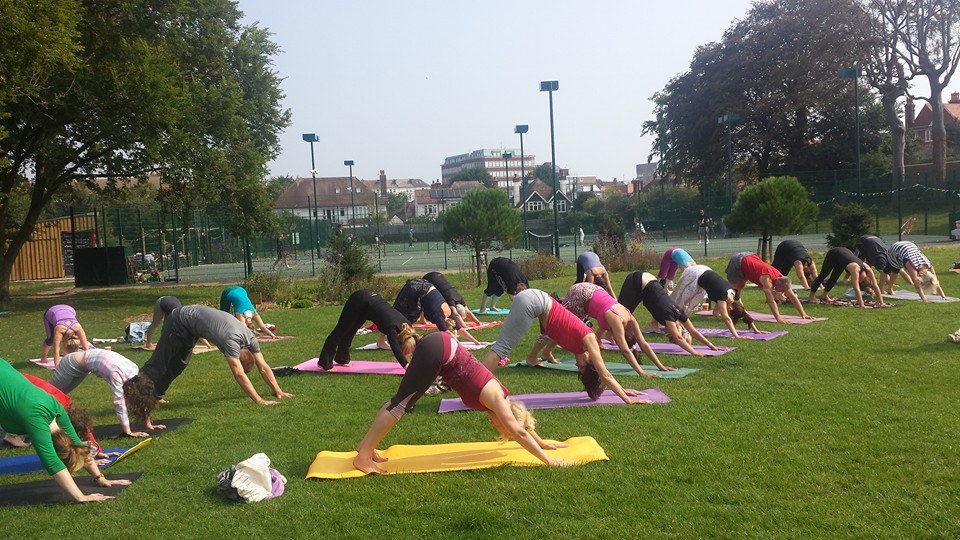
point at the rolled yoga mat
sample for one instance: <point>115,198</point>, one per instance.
<point>615,368</point>
<point>767,317</point>
<point>407,459</point>
<point>49,492</point>
<point>356,367</point>
<point>29,463</point>
<point>560,400</point>
<point>670,348</point>
<point>114,430</point>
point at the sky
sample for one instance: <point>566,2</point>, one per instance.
<point>399,86</point>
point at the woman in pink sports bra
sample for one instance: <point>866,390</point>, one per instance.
<point>60,323</point>
<point>440,354</point>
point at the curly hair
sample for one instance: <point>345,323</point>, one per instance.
<point>590,378</point>
<point>523,417</point>
<point>141,396</point>
<point>73,455</point>
<point>79,418</point>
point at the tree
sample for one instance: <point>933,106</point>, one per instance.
<point>473,174</point>
<point>484,216</point>
<point>179,86</point>
<point>777,205</point>
<point>396,203</point>
<point>278,184</point>
<point>929,44</point>
<point>544,173</point>
<point>848,223</point>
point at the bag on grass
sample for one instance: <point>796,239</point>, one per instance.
<point>251,480</point>
<point>135,332</point>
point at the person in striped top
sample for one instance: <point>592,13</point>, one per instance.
<point>906,259</point>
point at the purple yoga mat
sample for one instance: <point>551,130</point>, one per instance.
<point>358,367</point>
<point>670,348</point>
<point>766,317</point>
<point>745,334</point>
<point>560,400</point>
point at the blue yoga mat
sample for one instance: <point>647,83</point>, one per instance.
<point>29,463</point>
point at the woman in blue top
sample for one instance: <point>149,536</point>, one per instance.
<point>236,297</point>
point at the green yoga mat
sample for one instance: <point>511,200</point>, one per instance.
<point>615,369</point>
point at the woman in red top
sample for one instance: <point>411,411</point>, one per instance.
<point>440,354</point>
<point>746,266</point>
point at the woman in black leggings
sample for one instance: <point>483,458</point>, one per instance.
<point>503,276</point>
<point>837,261</point>
<point>362,306</point>
<point>419,297</point>
<point>458,306</point>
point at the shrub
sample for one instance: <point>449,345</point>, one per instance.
<point>849,222</point>
<point>263,286</point>
<point>348,257</point>
<point>610,239</point>
<point>542,266</point>
<point>301,303</point>
<point>638,257</point>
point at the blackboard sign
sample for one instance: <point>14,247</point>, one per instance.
<point>85,239</point>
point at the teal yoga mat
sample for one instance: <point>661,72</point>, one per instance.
<point>615,368</point>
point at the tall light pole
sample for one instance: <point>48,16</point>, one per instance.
<point>729,119</point>
<point>353,207</point>
<point>551,87</point>
<point>312,138</point>
<point>506,172</point>
<point>855,73</point>
<point>521,129</point>
<point>376,211</point>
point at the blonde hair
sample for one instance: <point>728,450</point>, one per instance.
<point>928,281</point>
<point>407,337</point>
<point>73,455</point>
<point>71,343</point>
<point>523,417</point>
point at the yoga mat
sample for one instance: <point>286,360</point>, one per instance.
<point>48,492</point>
<point>560,400</point>
<point>470,325</point>
<point>114,431</point>
<point>670,348</point>
<point>357,367</point>
<point>904,294</point>
<point>466,344</point>
<point>48,364</point>
<point>615,368</point>
<point>268,339</point>
<point>767,317</point>
<point>745,334</point>
<point>492,312</point>
<point>29,463</point>
<point>199,349</point>
<point>405,459</point>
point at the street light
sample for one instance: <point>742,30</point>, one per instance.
<point>353,207</point>
<point>521,129</point>
<point>855,73</point>
<point>506,172</point>
<point>729,119</point>
<point>551,87</point>
<point>312,138</point>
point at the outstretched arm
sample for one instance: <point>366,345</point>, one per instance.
<point>722,310</point>
<point>262,326</point>
<point>801,275</point>
<point>237,369</point>
<point>698,336</point>
<point>266,373</point>
<point>492,397</point>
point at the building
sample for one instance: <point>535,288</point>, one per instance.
<point>539,196</point>
<point>491,161</point>
<point>922,124</point>
<point>405,186</point>
<point>335,203</point>
<point>438,197</point>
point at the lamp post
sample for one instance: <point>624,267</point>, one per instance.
<point>353,207</point>
<point>521,129</point>
<point>376,212</point>
<point>550,87</point>
<point>506,172</point>
<point>855,73</point>
<point>729,119</point>
<point>312,138</point>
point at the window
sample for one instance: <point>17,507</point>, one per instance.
<point>534,206</point>
<point>343,212</point>
<point>561,205</point>
<point>928,135</point>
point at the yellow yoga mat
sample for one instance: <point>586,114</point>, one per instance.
<point>130,451</point>
<point>405,459</point>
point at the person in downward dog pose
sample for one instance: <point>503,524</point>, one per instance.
<point>792,254</point>
<point>591,270</point>
<point>161,308</point>
<point>746,266</point>
<point>643,287</point>
<point>585,299</point>
<point>362,306</point>
<point>673,260</point>
<point>236,300</point>
<point>60,323</point>
<point>567,331</point>
<point>503,276</point>
<point>419,297</point>
<point>698,281</point>
<point>907,260</point>
<point>458,306</point>
<point>439,354</point>
<point>837,261</point>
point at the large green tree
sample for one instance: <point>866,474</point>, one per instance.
<point>777,205</point>
<point>133,86</point>
<point>484,216</point>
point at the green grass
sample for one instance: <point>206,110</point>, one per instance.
<point>845,428</point>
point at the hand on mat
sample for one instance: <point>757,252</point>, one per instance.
<point>140,434</point>
<point>561,463</point>
<point>94,497</point>
<point>649,375</point>
<point>108,483</point>
<point>149,347</point>
<point>553,446</point>
<point>155,427</point>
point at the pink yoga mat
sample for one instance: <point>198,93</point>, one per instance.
<point>357,367</point>
<point>470,325</point>
<point>466,344</point>
<point>670,348</point>
<point>48,364</point>
<point>560,400</point>
<point>766,317</point>
<point>745,334</point>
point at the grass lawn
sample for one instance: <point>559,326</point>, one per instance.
<point>843,428</point>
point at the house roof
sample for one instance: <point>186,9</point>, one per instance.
<point>544,190</point>
<point>330,192</point>
<point>925,118</point>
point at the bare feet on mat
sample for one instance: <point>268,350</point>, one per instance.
<point>367,466</point>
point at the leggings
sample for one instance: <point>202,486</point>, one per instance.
<point>161,308</point>
<point>68,374</point>
<point>432,351</point>
<point>672,260</point>
<point>528,305</point>
<point>356,311</point>
<point>173,353</point>
<point>833,264</point>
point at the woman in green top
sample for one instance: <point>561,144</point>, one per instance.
<point>28,410</point>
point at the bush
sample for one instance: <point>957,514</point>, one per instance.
<point>350,258</point>
<point>542,266</point>
<point>638,257</point>
<point>301,303</point>
<point>263,286</point>
<point>610,239</point>
<point>849,222</point>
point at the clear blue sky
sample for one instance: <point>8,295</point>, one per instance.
<point>401,85</point>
